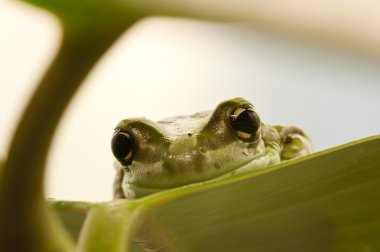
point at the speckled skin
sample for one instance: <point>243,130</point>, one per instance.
<point>186,149</point>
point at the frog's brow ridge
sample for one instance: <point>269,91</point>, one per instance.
<point>141,123</point>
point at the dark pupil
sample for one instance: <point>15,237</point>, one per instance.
<point>246,122</point>
<point>121,145</point>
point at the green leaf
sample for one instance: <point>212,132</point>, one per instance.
<point>327,201</point>
<point>72,214</point>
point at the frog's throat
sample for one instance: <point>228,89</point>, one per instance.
<point>269,158</point>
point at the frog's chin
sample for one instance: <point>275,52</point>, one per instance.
<point>133,191</point>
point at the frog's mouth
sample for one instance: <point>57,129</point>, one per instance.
<point>136,188</point>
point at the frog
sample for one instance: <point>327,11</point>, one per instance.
<point>181,150</point>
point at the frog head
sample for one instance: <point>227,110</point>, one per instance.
<point>180,150</point>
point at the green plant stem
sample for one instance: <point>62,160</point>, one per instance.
<point>24,217</point>
<point>109,227</point>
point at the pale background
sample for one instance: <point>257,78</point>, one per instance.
<point>164,67</point>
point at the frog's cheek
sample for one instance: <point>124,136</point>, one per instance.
<point>129,193</point>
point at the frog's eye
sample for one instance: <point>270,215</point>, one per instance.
<point>245,122</point>
<point>122,146</point>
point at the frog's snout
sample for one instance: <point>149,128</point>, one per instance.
<point>183,156</point>
<point>187,161</point>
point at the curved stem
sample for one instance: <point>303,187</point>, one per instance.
<point>25,224</point>
<point>109,227</point>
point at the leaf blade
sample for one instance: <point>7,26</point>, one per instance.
<point>323,202</point>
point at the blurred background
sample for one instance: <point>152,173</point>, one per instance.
<point>165,66</point>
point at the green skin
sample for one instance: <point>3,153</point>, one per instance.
<point>186,149</point>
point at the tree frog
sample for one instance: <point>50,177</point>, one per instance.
<point>231,139</point>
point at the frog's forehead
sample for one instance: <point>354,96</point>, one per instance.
<point>169,128</point>
<point>139,124</point>
<point>176,127</point>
